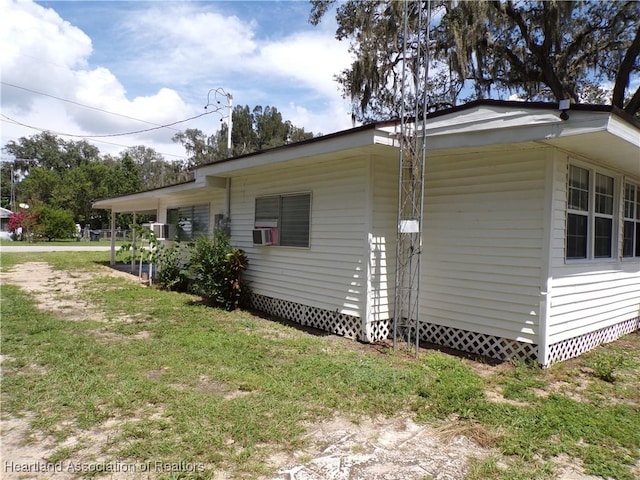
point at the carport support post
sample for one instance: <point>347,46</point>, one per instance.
<point>133,244</point>
<point>112,258</point>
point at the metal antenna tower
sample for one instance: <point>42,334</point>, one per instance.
<point>416,19</point>
<point>222,93</point>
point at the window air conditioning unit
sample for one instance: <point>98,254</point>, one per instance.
<point>160,230</point>
<point>262,236</point>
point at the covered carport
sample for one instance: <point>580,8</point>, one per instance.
<point>154,202</point>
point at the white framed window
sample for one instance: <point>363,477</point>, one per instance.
<point>188,223</point>
<point>289,215</point>
<point>631,221</point>
<point>590,214</point>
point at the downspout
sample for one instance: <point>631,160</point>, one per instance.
<point>546,274</point>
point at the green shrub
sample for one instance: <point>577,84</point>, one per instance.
<point>54,223</point>
<point>172,268</point>
<point>215,272</point>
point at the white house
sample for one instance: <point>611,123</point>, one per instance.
<point>531,236</point>
<point>5,214</point>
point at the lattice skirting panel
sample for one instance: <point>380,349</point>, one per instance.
<point>463,340</point>
<point>478,343</point>
<point>334,322</point>
<point>573,347</point>
<point>380,330</point>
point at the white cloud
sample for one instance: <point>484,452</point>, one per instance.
<point>333,117</point>
<point>167,56</point>
<point>177,43</point>
<point>181,44</point>
<point>44,55</point>
<point>39,48</point>
<point>312,58</point>
<point>101,89</point>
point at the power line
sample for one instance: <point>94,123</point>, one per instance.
<point>97,141</point>
<point>114,134</point>
<point>82,104</point>
<point>93,137</point>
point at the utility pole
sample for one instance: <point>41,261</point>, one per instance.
<point>15,173</point>
<point>12,199</point>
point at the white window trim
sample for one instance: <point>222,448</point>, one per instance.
<point>260,224</point>
<point>624,218</point>
<point>617,222</point>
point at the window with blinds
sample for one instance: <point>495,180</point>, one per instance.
<point>289,214</point>
<point>188,223</point>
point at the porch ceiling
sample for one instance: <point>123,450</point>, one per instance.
<point>604,148</point>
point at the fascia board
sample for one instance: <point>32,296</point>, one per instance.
<point>333,145</point>
<point>140,198</point>
<point>623,130</point>
<point>513,129</point>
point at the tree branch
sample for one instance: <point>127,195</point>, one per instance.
<point>624,72</point>
<point>633,106</point>
<point>549,73</point>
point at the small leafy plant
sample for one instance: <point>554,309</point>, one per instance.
<point>604,365</point>
<point>215,271</point>
<point>128,250</point>
<point>172,268</point>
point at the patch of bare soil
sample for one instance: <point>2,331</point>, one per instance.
<point>377,449</point>
<point>26,455</point>
<point>57,291</point>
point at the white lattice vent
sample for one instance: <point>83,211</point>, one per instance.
<point>573,347</point>
<point>478,343</point>
<point>463,340</point>
<point>380,330</point>
<point>334,322</point>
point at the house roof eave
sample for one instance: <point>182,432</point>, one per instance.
<point>146,200</point>
<point>475,124</point>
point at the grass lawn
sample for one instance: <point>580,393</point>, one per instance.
<point>65,242</point>
<point>227,389</point>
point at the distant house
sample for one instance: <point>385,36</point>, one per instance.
<point>4,219</point>
<point>531,227</point>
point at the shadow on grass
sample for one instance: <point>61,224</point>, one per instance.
<point>381,346</point>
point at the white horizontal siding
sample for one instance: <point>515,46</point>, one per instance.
<point>483,243</point>
<point>382,241</point>
<point>584,301</point>
<point>591,295</point>
<point>331,273</point>
<point>559,212</point>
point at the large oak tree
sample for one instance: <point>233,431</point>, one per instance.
<point>537,50</point>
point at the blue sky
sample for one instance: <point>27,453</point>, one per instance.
<point>156,61</point>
